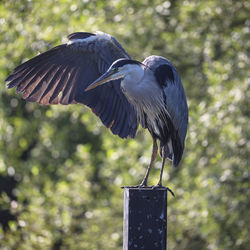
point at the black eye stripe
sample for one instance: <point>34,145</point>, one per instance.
<point>121,62</point>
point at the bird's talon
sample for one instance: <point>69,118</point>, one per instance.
<point>143,184</point>
<point>171,192</point>
<point>137,186</point>
<point>157,186</point>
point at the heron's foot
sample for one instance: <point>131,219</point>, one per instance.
<point>137,186</point>
<point>142,185</point>
<point>159,185</point>
<point>171,192</point>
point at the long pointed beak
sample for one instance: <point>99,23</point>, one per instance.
<point>106,77</point>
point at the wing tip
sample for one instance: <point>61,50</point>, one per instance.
<point>8,78</point>
<point>11,84</point>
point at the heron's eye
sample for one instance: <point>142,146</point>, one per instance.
<point>115,70</point>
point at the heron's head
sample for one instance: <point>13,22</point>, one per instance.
<point>119,69</point>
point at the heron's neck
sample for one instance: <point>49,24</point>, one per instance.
<point>133,76</point>
<point>142,91</point>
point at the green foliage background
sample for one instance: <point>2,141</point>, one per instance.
<point>64,170</point>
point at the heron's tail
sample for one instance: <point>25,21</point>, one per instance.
<point>173,150</point>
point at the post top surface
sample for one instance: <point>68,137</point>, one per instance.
<point>145,188</point>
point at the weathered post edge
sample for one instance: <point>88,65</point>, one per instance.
<point>145,219</point>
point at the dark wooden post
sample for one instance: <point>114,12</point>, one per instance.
<point>145,219</point>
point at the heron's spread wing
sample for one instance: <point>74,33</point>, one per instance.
<point>61,75</point>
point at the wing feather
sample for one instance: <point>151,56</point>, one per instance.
<point>41,85</point>
<point>35,78</point>
<point>62,74</point>
<point>118,123</point>
<point>54,99</point>
<point>49,88</point>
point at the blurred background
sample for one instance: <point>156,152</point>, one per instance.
<point>61,170</point>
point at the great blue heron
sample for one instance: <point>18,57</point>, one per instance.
<point>149,93</point>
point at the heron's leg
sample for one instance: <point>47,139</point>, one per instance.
<point>153,156</point>
<point>162,166</point>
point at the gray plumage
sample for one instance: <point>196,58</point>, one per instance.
<point>149,93</point>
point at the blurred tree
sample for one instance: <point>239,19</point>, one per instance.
<point>60,169</point>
